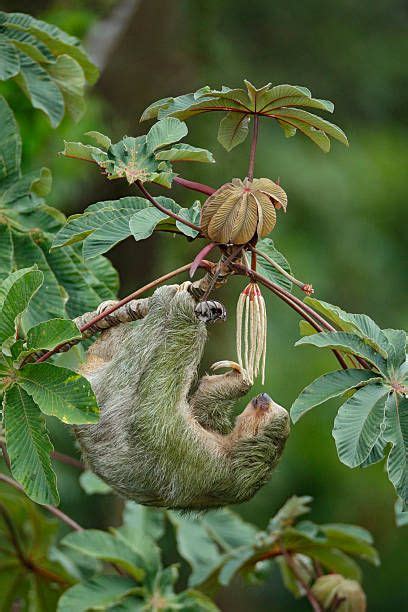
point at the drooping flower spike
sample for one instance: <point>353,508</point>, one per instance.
<point>251,332</point>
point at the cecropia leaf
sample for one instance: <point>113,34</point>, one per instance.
<point>29,446</point>
<point>282,103</point>
<point>348,343</point>
<point>50,66</point>
<point>396,432</point>
<point>329,386</point>
<point>60,392</point>
<point>357,425</point>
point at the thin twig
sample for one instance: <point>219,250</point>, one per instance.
<point>67,460</point>
<point>252,152</point>
<point>312,599</point>
<point>52,509</point>
<point>164,210</point>
<point>194,186</point>
<point>204,264</point>
<point>306,287</point>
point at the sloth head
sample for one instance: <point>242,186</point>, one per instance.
<point>261,410</point>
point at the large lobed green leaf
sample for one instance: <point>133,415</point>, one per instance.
<point>29,446</point>
<point>70,287</point>
<point>100,592</point>
<point>205,542</point>
<point>48,334</point>
<point>105,546</point>
<point>141,529</point>
<point>348,343</point>
<point>142,158</point>
<point>357,426</point>
<point>396,433</point>
<point>105,224</point>
<point>280,102</point>
<point>329,386</point>
<point>360,324</point>
<point>50,66</point>
<point>60,392</point>
<point>10,144</point>
<point>16,291</point>
<point>375,414</point>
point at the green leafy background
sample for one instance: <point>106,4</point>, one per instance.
<point>344,230</point>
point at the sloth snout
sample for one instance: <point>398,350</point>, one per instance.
<point>262,401</point>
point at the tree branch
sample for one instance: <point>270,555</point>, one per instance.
<point>67,460</point>
<point>52,509</point>
<point>194,186</point>
<point>312,599</point>
<point>252,153</point>
<point>306,287</point>
<point>164,210</point>
<point>204,264</point>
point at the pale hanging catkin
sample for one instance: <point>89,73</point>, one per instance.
<point>251,332</point>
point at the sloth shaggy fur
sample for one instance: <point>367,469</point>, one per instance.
<point>163,439</point>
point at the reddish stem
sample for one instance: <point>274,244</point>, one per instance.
<point>164,210</point>
<point>204,264</point>
<point>194,186</point>
<point>252,152</point>
<point>52,509</point>
<point>67,460</point>
<point>291,563</point>
<point>200,256</point>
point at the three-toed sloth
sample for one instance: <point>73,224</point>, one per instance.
<point>162,439</point>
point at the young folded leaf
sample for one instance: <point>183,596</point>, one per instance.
<point>239,210</point>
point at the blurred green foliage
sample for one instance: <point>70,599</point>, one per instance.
<point>344,230</point>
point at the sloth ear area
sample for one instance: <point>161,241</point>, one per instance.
<point>210,311</point>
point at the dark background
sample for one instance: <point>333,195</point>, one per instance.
<point>345,230</point>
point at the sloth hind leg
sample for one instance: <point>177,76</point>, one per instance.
<point>215,396</point>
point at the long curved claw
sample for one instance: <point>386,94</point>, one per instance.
<point>234,366</point>
<point>185,286</point>
<point>210,311</point>
<point>105,305</point>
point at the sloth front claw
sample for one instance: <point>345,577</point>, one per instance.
<point>233,366</point>
<point>226,363</point>
<point>185,286</point>
<point>105,305</point>
<point>210,311</point>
